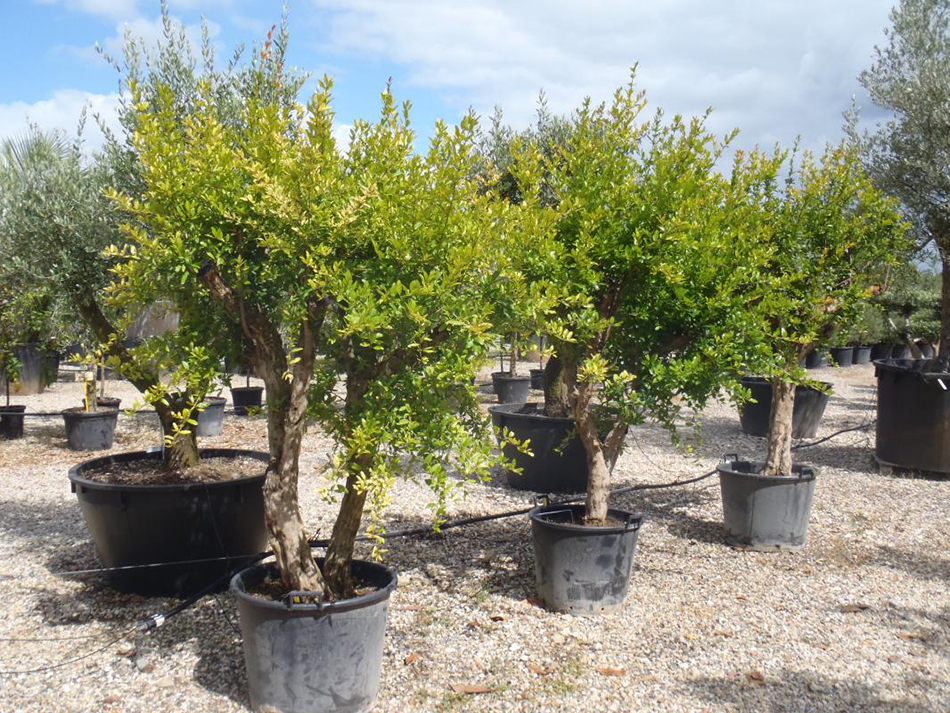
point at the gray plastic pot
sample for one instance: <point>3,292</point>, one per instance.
<point>211,419</point>
<point>842,356</point>
<point>90,430</point>
<point>512,389</point>
<point>30,379</point>
<point>582,569</point>
<point>314,657</point>
<point>862,355</point>
<point>767,513</point>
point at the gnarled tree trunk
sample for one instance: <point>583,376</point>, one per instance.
<point>778,459</point>
<point>598,479</point>
<point>559,377</point>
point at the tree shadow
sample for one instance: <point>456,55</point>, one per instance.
<point>796,690</point>
<point>673,510</point>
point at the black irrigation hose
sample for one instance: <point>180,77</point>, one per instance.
<point>156,620</point>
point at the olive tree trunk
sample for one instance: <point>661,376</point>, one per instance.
<point>944,353</point>
<point>778,459</point>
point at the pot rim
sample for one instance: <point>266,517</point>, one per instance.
<point>805,472</point>
<point>634,520</point>
<point>512,410</point>
<point>907,366</point>
<point>76,477</point>
<point>13,409</point>
<point>80,412</point>
<point>246,388</point>
<point>362,601</point>
<point>508,377</point>
<point>763,380</point>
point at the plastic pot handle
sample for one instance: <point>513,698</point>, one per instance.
<point>296,598</point>
<point>730,457</point>
<point>635,520</point>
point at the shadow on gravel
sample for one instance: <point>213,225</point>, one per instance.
<point>791,690</point>
<point>671,508</point>
<point>916,564</point>
<point>491,557</point>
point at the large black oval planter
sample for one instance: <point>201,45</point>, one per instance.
<point>11,421</point>
<point>842,356</point>
<point>246,397</point>
<point>913,415</point>
<point>558,463</point>
<point>512,389</point>
<point>211,419</point>
<point>314,657</point>
<point>90,430</point>
<point>862,355</point>
<point>810,406</point>
<point>582,569</point>
<point>766,512</point>
<point>158,524</point>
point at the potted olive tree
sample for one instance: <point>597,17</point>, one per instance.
<point>652,258</point>
<point>830,233</point>
<point>376,259</point>
<point>11,415</point>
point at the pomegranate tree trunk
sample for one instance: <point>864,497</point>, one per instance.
<point>778,459</point>
<point>598,479</point>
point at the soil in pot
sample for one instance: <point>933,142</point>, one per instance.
<point>558,463</point>
<point>246,397</point>
<point>315,655</point>
<point>512,389</point>
<point>809,407</point>
<point>913,415</point>
<point>209,525</point>
<point>862,355</point>
<point>11,421</point>
<point>767,513</point>
<point>842,356</point>
<point>90,430</point>
<point>211,420</point>
<point>583,569</point>
<point>112,402</point>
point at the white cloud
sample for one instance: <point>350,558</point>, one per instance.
<point>341,134</point>
<point>61,112</point>
<point>773,69</point>
<point>118,9</point>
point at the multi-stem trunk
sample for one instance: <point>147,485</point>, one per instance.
<point>778,459</point>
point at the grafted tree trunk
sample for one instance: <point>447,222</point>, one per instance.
<point>183,451</point>
<point>598,479</point>
<point>778,459</point>
<point>560,375</point>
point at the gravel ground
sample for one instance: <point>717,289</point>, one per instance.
<point>859,620</point>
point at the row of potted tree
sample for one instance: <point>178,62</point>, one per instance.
<point>366,287</point>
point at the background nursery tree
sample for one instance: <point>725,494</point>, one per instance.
<point>908,155</point>
<point>377,259</point>
<point>832,233</point>
<point>650,263</point>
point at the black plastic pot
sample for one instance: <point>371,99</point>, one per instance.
<point>927,350</point>
<point>809,407</point>
<point>512,389</point>
<point>158,524</point>
<point>766,512</point>
<point>90,430</point>
<point>842,356</point>
<point>246,397</point>
<point>314,657</point>
<point>582,569</point>
<point>913,415</point>
<point>881,351</point>
<point>537,379</point>
<point>862,355</point>
<point>558,463</point>
<point>11,422</point>
<point>814,360</point>
<point>211,419</point>
<point>901,351</point>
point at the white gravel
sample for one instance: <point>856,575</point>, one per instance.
<point>704,627</point>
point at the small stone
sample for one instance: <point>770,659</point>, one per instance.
<point>125,648</point>
<point>144,665</point>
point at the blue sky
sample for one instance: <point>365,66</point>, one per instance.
<point>773,68</point>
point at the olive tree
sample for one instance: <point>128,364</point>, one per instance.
<point>831,232</point>
<point>358,279</point>
<point>650,263</point>
<point>909,154</point>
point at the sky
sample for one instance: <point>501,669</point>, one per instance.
<point>774,69</point>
